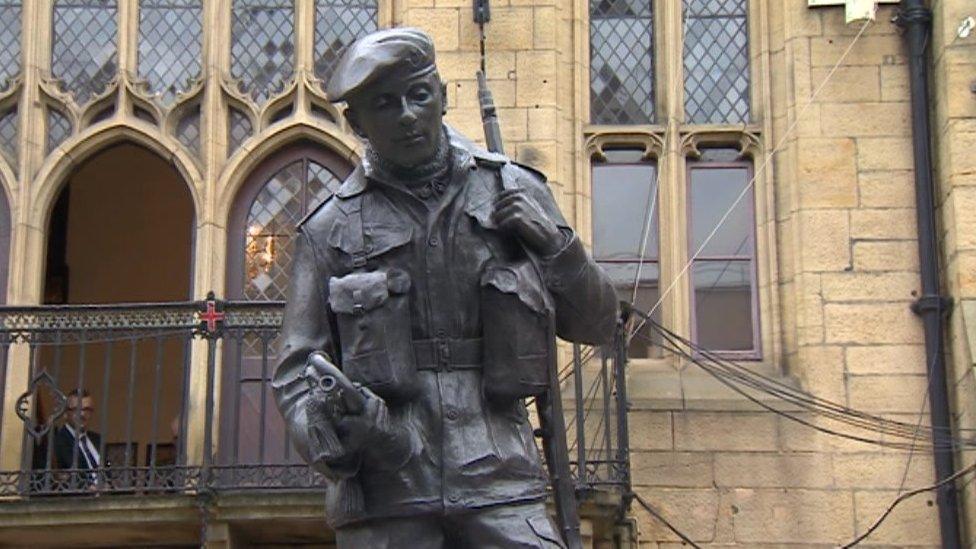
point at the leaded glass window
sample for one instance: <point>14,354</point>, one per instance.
<point>337,24</point>
<point>722,233</point>
<point>9,42</point>
<point>84,53</point>
<point>716,62</point>
<point>188,130</point>
<point>625,233</point>
<point>263,45</point>
<point>621,62</point>
<point>170,41</point>
<point>282,202</point>
<point>8,131</point>
<point>239,128</point>
<point>58,128</point>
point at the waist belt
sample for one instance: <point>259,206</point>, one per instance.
<point>448,354</point>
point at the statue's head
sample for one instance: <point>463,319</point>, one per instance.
<point>395,97</point>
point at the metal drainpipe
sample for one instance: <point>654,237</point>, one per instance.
<point>915,18</point>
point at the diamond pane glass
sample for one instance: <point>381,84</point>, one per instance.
<point>58,128</point>
<point>188,130</point>
<point>321,185</point>
<point>9,42</point>
<point>263,45</point>
<point>716,62</point>
<point>84,52</point>
<point>268,243</point>
<point>8,131</point>
<point>337,24</point>
<point>239,128</point>
<point>170,40</point>
<point>621,62</point>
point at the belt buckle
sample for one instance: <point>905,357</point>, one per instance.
<point>443,348</point>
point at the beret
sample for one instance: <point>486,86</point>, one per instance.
<point>376,54</point>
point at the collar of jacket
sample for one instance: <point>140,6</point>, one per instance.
<point>465,154</point>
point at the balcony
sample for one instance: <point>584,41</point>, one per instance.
<point>183,419</point>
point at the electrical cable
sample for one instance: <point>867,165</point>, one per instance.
<point>792,395</point>
<point>647,507</point>
<point>671,345</point>
<point>877,523</point>
<point>761,169</point>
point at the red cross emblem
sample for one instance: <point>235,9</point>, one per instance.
<point>211,316</point>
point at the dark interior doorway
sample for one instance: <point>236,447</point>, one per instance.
<point>121,231</point>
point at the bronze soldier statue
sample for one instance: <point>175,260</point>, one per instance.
<point>420,315</point>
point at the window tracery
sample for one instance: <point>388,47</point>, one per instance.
<point>58,128</point>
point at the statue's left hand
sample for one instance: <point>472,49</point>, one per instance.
<point>516,212</point>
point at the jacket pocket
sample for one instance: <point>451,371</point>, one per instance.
<point>515,326</point>
<point>373,315</point>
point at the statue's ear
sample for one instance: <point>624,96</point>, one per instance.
<point>443,97</point>
<point>352,116</point>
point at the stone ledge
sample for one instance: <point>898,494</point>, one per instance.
<point>651,387</point>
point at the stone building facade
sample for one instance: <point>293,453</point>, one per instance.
<point>781,233</point>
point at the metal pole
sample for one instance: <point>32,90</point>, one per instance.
<point>931,306</point>
<point>623,407</point>
<point>580,419</point>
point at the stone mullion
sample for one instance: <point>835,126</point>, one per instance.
<point>127,42</point>
<point>209,259</point>
<point>767,272</point>
<point>304,36</point>
<point>673,216</point>
<point>27,234</point>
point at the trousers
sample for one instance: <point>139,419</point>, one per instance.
<point>500,526</point>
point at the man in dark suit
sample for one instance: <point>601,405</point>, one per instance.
<point>75,447</point>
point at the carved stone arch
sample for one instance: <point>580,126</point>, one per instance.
<point>271,140</point>
<point>56,168</point>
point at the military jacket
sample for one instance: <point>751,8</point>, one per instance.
<point>468,451</point>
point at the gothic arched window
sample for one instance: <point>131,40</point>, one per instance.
<point>275,198</point>
<point>282,190</point>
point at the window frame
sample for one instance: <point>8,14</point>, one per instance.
<point>676,145</point>
<point>691,165</point>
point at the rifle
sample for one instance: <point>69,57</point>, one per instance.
<point>549,404</point>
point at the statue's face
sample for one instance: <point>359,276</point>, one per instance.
<point>401,117</point>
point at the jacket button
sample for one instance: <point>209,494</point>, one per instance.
<point>454,498</point>
<point>434,241</point>
<point>452,414</point>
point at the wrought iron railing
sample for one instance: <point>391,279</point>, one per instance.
<point>154,373</point>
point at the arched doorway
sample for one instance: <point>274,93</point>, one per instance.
<point>273,199</point>
<point>120,232</point>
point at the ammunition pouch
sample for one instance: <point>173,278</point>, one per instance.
<point>516,331</point>
<point>373,315</point>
